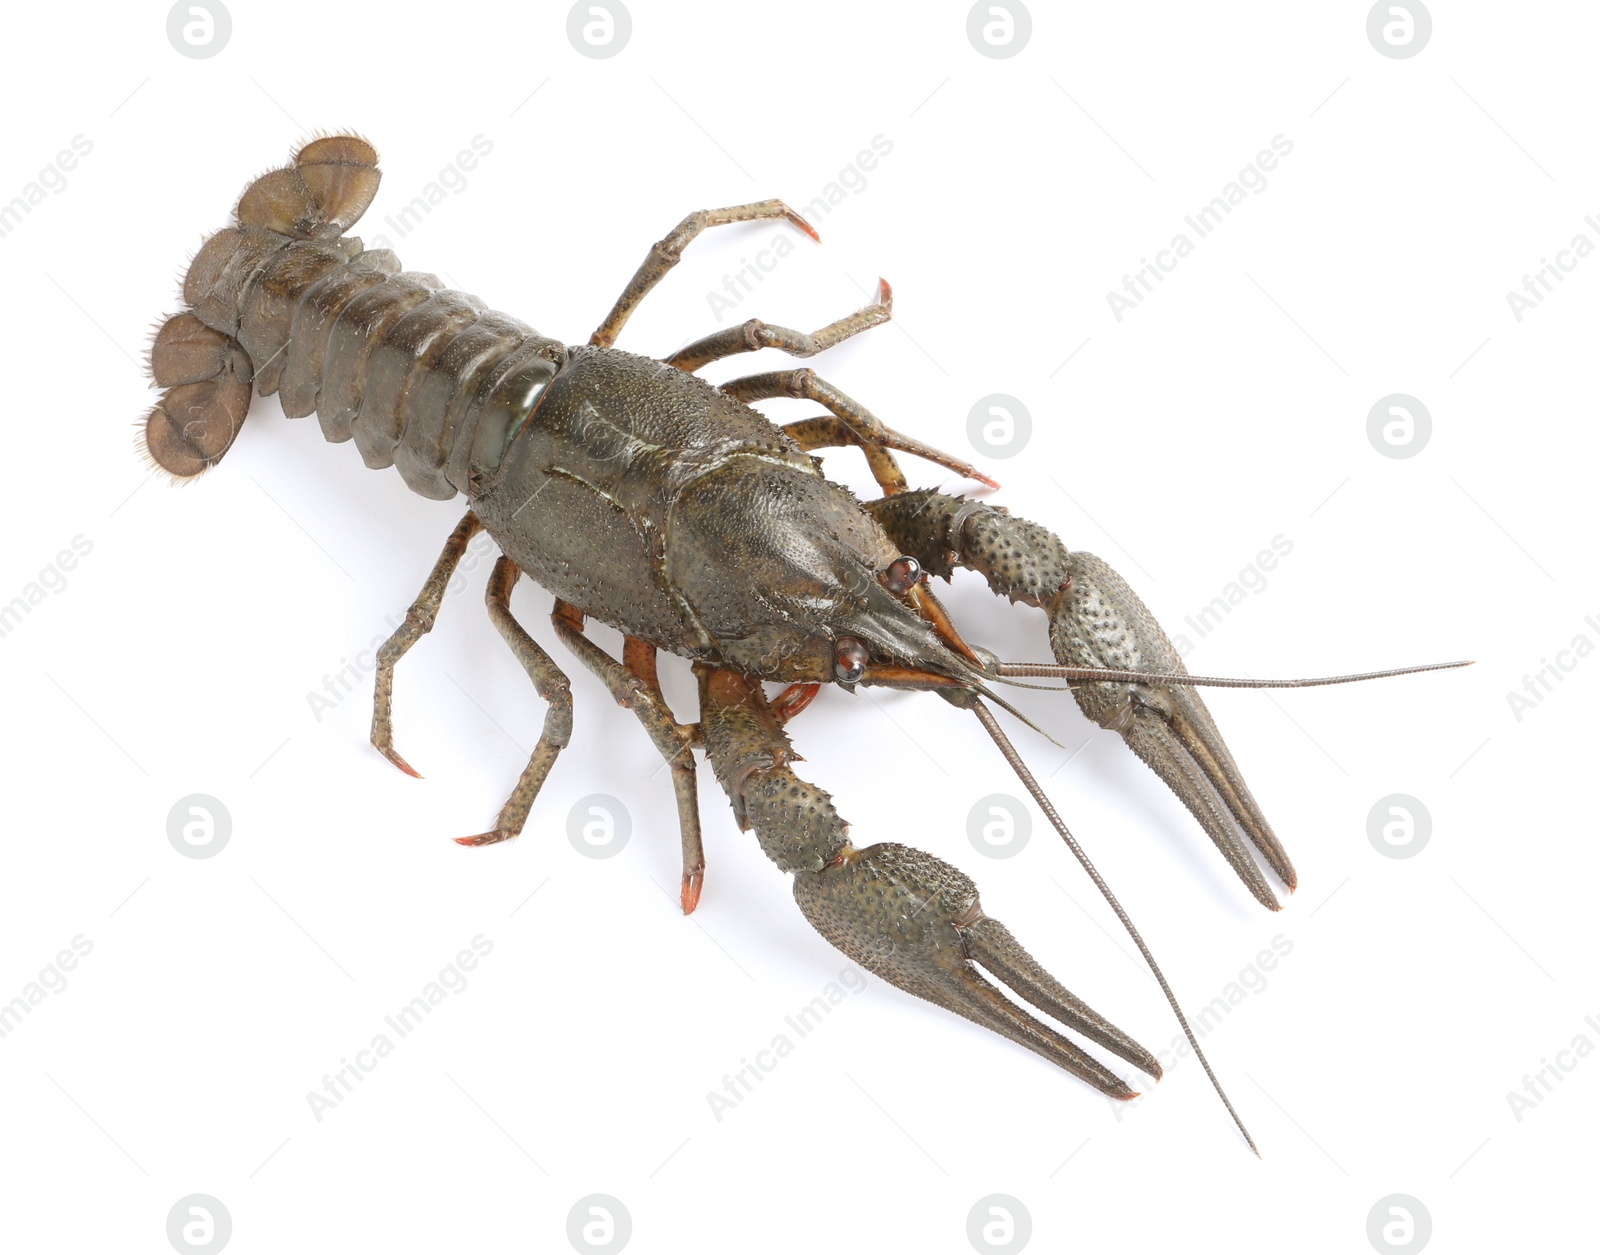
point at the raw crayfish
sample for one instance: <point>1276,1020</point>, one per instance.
<point>648,499</point>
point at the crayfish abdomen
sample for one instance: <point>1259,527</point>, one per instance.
<point>419,377</point>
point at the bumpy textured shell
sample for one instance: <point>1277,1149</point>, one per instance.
<point>655,503</point>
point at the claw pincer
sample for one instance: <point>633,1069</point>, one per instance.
<point>899,912</point>
<point>1100,622</point>
<point>1097,621</point>
<point>916,921</point>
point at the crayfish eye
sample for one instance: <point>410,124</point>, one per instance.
<point>849,659</point>
<point>901,575</point>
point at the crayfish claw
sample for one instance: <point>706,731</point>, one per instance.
<point>917,922</point>
<point>1099,623</point>
<point>1097,620</point>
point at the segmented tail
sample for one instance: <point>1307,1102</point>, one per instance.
<point>196,355</point>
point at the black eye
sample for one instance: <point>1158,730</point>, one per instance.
<point>901,575</point>
<point>849,659</point>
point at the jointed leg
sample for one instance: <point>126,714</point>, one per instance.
<point>848,423</point>
<point>552,685</point>
<point>666,253</point>
<point>634,684</point>
<point>419,619</point>
<point>755,335</point>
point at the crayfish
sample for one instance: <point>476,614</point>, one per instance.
<point>645,498</point>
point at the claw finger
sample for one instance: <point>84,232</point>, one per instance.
<point>1192,725</point>
<point>969,995</point>
<point>1153,739</point>
<point>990,943</point>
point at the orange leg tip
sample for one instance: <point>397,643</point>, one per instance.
<point>483,838</point>
<point>805,226</point>
<point>689,894</point>
<point>393,755</point>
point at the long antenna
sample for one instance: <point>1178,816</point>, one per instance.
<point>992,727</point>
<point>1052,671</point>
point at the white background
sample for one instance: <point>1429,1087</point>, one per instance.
<point>1229,408</point>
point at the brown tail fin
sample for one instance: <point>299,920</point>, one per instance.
<point>320,196</point>
<point>206,374</point>
<point>207,379</point>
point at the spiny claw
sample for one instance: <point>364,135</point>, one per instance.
<point>1098,621</point>
<point>916,921</point>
